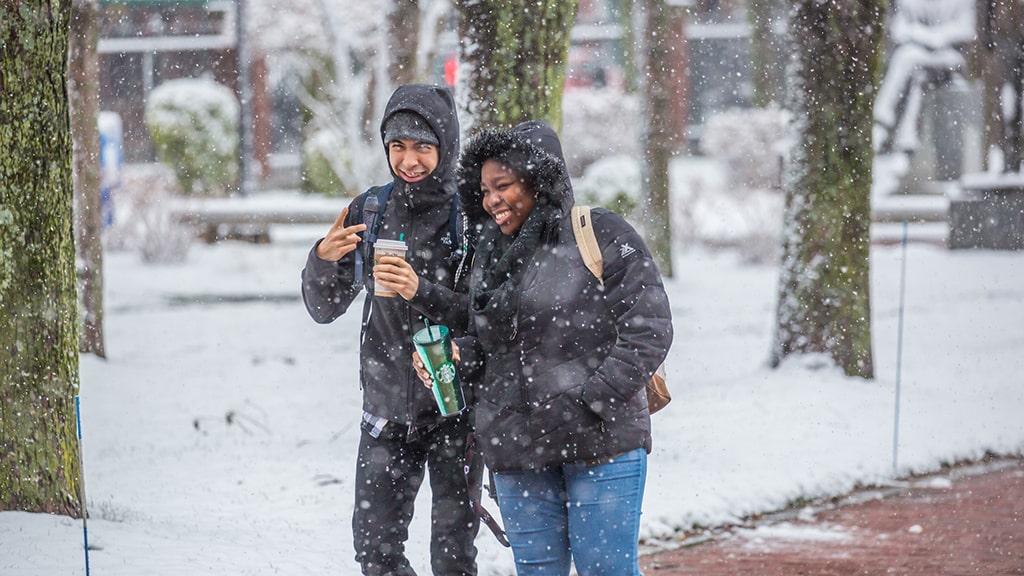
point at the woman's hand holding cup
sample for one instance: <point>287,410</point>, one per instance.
<point>421,368</point>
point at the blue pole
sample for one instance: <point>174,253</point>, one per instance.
<point>899,352</point>
<point>81,467</point>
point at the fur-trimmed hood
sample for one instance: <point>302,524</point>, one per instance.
<point>532,150</point>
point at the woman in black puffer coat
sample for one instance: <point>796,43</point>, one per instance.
<point>558,360</point>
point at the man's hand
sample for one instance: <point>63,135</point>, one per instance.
<point>396,274</point>
<point>339,240</point>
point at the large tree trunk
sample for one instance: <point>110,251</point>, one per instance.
<point>38,325</point>
<point>824,303</point>
<point>663,89</point>
<point>83,74</point>
<point>512,60</point>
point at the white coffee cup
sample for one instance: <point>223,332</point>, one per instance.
<point>384,247</point>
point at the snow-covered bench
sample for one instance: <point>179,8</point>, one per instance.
<point>988,212</point>
<point>250,217</point>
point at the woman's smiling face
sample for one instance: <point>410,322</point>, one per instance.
<point>506,198</point>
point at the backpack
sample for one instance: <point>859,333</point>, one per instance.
<point>657,391</point>
<point>371,213</point>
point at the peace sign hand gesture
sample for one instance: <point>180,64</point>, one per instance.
<point>340,240</point>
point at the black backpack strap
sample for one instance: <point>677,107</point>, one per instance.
<point>373,211</point>
<point>371,214</point>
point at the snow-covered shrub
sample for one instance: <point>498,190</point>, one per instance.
<point>613,183</point>
<point>143,218</point>
<point>597,123</point>
<point>706,211</point>
<point>752,143</point>
<point>194,126</point>
<point>319,173</point>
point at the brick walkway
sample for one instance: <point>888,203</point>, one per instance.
<point>967,520</point>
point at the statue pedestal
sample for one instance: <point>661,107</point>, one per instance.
<point>988,212</point>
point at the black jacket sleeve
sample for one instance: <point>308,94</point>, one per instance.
<point>636,300</point>
<point>443,305</point>
<point>328,288</point>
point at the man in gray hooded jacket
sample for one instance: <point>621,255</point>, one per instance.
<point>403,431</point>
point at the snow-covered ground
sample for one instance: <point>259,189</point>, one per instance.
<point>219,435</point>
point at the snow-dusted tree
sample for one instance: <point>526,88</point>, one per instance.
<point>824,303</point>
<point>403,40</point>
<point>39,468</point>
<point>83,83</point>
<point>661,71</point>
<point>343,58</point>
<point>435,17</point>
<point>512,60</point>
<point>330,51</point>
<point>767,19</point>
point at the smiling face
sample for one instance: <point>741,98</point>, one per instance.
<point>411,160</point>
<point>505,196</point>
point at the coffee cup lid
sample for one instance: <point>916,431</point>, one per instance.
<point>390,244</point>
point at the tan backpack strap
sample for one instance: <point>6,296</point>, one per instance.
<point>586,241</point>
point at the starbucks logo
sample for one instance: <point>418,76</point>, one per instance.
<point>446,373</point>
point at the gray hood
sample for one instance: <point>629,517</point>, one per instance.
<point>436,105</point>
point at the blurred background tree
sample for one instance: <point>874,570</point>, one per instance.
<point>512,57</point>
<point>83,79</point>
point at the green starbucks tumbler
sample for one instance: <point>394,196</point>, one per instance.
<point>434,346</point>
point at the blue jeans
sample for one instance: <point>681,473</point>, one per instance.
<point>589,515</point>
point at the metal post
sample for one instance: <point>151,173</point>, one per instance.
<point>81,483</point>
<point>245,116</point>
<point>899,353</point>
